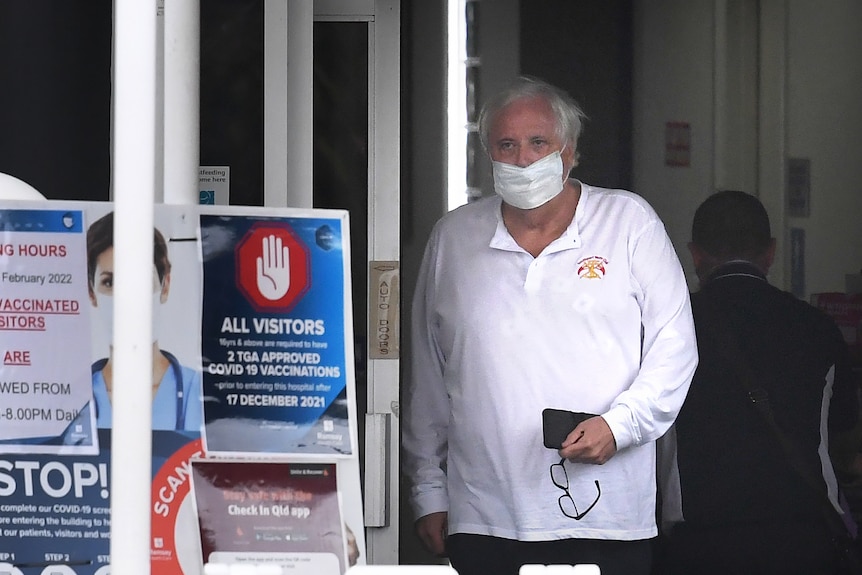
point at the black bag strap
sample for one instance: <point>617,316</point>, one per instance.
<point>720,330</point>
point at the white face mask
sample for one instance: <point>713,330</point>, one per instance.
<point>532,186</point>
<point>105,314</point>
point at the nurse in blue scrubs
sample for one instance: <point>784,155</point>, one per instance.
<point>176,388</point>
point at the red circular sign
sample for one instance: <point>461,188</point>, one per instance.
<point>272,266</point>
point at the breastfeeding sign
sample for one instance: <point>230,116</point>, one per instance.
<point>275,315</point>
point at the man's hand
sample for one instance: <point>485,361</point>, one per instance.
<point>590,442</point>
<point>432,530</point>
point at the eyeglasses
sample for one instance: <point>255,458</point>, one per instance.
<point>561,479</point>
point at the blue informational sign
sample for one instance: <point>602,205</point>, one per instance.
<point>273,335</point>
<point>56,511</point>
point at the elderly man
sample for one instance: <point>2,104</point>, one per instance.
<point>551,294</point>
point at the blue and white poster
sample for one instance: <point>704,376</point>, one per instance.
<point>275,366</point>
<point>56,509</point>
<point>44,381</point>
<point>56,505</point>
<point>251,316</point>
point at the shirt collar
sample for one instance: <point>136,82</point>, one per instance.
<point>736,268</point>
<point>570,238</point>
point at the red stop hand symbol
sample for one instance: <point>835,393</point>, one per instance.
<point>273,270</point>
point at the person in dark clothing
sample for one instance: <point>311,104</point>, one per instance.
<point>732,501</point>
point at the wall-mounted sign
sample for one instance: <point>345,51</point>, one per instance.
<point>677,144</point>
<point>798,187</point>
<point>214,185</point>
<point>384,297</point>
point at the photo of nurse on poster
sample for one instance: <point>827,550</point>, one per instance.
<point>176,380</point>
<point>176,387</point>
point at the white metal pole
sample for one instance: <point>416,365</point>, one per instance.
<point>133,181</point>
<point>300,108</point>
<point>288,107</point>
<point>182,101</point>
<point>275,103</point>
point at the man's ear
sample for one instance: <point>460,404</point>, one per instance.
<point>569,155</point>
<point>697,254</point>
<point>769,255</point>
<point>701,261</point>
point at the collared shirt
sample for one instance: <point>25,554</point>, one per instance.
<point>599,322</point>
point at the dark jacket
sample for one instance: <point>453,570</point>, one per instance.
<point>731,468</point>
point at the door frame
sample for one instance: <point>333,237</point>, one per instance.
<point>287,181</point>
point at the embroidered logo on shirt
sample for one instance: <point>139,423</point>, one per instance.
<point>592,268</point>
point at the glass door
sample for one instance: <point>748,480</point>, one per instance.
<point>354,103</point>
<point>357,167</point>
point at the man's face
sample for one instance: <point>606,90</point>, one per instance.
<point>524,132</point>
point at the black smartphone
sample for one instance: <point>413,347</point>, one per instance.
<point>557,424</point>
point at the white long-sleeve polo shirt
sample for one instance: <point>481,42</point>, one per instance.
<point>599,322</point>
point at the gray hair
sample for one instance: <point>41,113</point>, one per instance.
<point>568,114</point>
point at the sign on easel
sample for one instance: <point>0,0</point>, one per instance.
<point>276,336</point>
<point>262,513</point>
<point>253,356</point>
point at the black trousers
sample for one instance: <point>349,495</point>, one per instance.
<point>483,555</point>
